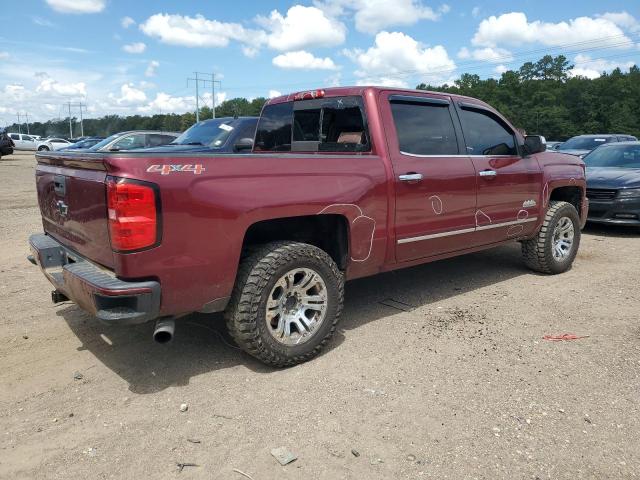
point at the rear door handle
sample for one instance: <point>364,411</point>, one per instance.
<point>488,173</point>
<point>410,177</point>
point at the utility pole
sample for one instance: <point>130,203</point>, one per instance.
<point>213,82</point>
<point>19,125</point>
<point>80,105</point>
<point>26,115</point>
<point>70,127</point>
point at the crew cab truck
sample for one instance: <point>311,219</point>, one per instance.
<point>341,183</point>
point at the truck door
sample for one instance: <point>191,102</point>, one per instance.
<point>435,181</point>
<point>509,186</point>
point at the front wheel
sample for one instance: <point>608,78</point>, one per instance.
<point>43,148</point>
<point>556,245</point>
<point>286,303</point>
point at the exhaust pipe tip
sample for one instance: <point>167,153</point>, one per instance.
<point>163,333</point>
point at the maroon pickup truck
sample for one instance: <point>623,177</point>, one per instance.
<point>341,183</point>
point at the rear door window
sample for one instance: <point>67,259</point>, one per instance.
<point>15,136</point>
<point>424,128</point>
<point>486,134</point>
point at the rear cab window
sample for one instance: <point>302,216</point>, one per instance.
<point>332,124</point>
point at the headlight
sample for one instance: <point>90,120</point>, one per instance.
<point>629,193</point>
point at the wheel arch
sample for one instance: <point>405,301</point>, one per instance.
<point>329,232</point>
<point>572,194</point>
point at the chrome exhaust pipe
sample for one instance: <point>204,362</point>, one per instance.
<point>163,333</point>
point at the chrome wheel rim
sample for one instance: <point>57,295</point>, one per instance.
<point>296,306</point>
<point>563,236</point>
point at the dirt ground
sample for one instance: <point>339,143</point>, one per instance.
<point>450,379</point>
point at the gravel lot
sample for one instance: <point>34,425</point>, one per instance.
<point>460,385</point>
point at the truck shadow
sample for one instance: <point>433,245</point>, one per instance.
<point>616,231</point>
<point>201,344</point>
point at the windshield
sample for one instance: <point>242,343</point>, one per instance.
<point>618,156</point>
<point>104,142</point>
<point>212,133</point>
<point>583,143</point>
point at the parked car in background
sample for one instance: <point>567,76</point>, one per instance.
<point>133,140</point>
<point>6,144</point>
<point>23,141</point>
<point>52,144</point>
<point>224,135</point>
<point>553,145</point>
<point>341,183</point>
<point>583,144</point>
<point>86,142</point>
<point>613,183</point>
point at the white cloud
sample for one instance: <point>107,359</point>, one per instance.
<point>622,19</point>
<point>42,22</point>
<point>137,47</point>
<point>500,69</point>
<point>585,66</point>
<point>274,94</point>
<point>151,68</point>
<point>487,54</point>
<point>126,22</point>
<point>397,54</point>
<point>168,103</point>
<point>4,55</point>
<point>371,16</point>
<point>475,12</point>
<point>303,60</point>
<point>302,27</point>
<point>77,6</point>
<point>14,92</point>
<point>514,29</point>
<point>51,86</point>
<point>198,31</point>
<point>250,52</point>
<point>129,95</point>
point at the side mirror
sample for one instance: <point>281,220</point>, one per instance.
<point>243,144</point>
<point>534,144</point>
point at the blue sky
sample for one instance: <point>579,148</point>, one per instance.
<point>130,57</point>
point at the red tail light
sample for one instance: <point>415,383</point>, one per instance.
<point>133,214</point>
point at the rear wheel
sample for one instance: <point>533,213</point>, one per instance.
<point>43,148</point>
<point>286,303</point>
<point>556,245</point>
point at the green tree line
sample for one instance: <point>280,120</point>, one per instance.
<point>540,97</point>
<point>169,122</point>
<point>543,98</point>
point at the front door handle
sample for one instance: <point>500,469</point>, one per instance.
<point>488,173</point>
<point>410,177</point>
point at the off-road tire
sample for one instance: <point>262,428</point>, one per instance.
<point>538,251</point>
<point>258,272</point>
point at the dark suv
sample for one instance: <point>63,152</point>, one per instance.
<point>583,144</point>
<point>6,144</point>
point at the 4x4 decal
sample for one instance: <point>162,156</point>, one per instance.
<point>167,169</point>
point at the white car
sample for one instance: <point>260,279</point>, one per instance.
<point>23,141</point>
<point>52,144</point>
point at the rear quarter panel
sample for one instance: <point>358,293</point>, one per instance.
<point>205,216</point>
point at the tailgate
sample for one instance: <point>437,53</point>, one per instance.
<point>72,199</point>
